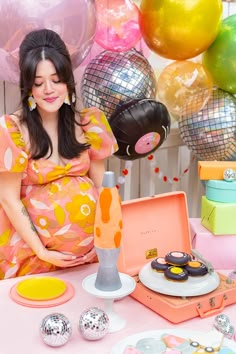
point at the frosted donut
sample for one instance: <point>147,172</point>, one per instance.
<point>196,268</point>
<point>159,264</point>
<point>176,273</point>
<point>177,258</point>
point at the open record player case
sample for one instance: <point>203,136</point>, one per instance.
<point>154,226</point>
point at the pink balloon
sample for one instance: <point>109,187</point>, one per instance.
<point>117,25</point>
<point>74,20</point>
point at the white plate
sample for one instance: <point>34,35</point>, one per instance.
<point>184,333</point>
<point>128,286</point>
<point>193,286</point>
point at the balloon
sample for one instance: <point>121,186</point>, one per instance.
<point>117,25</point>
<point>140,127</point>
<point>180,29</point>
<point>220,57</point>
<point>113,78</point>
<point>184,87</point>
<point>73,20</point>
<point>210,133</point>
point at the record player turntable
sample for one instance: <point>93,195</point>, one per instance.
<point>154,226</point>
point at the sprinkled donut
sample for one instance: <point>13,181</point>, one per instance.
<point>177,258</point>
<point>196,268</point>
<point>176,273</point>
<point>159,264</point>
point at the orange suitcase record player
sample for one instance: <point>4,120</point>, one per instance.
<point>154,226</point>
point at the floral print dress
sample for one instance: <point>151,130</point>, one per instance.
<point>60,200</point>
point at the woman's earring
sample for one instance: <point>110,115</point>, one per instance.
<point>31,103</point>
<point>67,100</point>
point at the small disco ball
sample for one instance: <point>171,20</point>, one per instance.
<point>93,323</point>
<point>112,78</point>
<point>211,133</point>
<point>55,329</point>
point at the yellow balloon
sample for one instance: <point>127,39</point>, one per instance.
<point>180,29</point>
<point>184,87</point>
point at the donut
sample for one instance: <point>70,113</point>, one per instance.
<point>177,258</point>
<point>159,264</point>
<point>196,268</point>
<point>176,273</point>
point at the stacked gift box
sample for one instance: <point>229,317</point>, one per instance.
<point>214,234</point>
<point>218,208</point>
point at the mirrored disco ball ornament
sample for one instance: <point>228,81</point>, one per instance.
<point>112,78</point>
<point>55,329</point>
<point>93,323</point>
<point>223,325</point>
<point>211,133</point>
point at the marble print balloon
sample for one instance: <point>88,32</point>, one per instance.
<point>117,25</point>
<point>184,87</point>
<point>73,20</point>
<point>112,78</point>
<point>211,133</point>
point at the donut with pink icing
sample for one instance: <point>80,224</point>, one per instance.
<point>196,268</point>
<point>177,258</point>
<point>159,264</point>
<point>175,273</point>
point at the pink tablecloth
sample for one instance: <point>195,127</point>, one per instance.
<point>19,325</point>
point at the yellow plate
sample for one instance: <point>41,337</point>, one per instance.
<point>41,288</point>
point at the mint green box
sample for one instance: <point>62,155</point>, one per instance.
<point>221,191</point>
<point>217,217</point>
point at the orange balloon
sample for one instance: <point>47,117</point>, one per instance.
<point>180,29</point>
<point>184,87</point>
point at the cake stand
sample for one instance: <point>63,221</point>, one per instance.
<point>116,323</point>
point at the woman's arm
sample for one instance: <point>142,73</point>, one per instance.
<point>10,185</point>
<point>96,172</point>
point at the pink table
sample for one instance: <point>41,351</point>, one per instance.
<point>19,325</point>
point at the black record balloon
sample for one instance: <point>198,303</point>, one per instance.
<point>140,127</point>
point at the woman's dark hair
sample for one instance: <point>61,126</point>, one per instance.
<point>47,44</point>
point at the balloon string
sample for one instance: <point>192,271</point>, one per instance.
<point>158,172</point>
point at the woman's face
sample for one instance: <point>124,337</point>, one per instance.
<point>48,91</point>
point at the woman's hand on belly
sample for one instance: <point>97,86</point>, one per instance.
<point>89,257</point>
<point>64,260</point>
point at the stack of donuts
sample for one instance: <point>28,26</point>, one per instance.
<point>178,266</point>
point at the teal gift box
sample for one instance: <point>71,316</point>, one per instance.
<point>217,217</point>
<point>221,191</point>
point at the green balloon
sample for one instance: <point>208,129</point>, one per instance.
<point>220,58</point>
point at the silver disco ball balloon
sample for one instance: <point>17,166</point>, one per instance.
<point>93,323</point>
<point>211,133</point>
<point>112,78</point>
<point>55,329</point>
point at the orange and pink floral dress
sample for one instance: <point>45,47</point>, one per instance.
<point>60,200</point>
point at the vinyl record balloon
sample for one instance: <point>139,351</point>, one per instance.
<point>140,127</point>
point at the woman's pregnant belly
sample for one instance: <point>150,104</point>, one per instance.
<point>63,213</point>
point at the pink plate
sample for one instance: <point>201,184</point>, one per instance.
<point>66,296</point>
